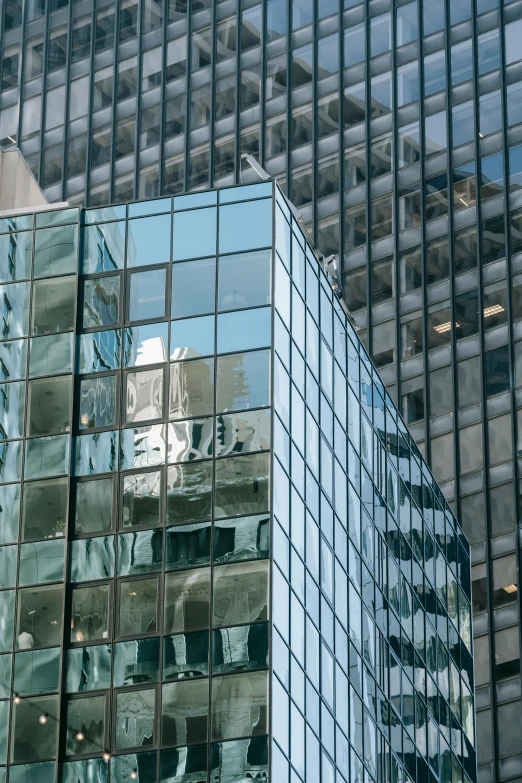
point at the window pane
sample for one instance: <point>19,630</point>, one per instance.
<point>93,506</point>
<point>244,280</point>
<point>55,251</point>
<point>184,712</point>
<point>40,612</point>
<point>85,717</point>
<point>135,719</point>
<point>193,288</point>
<point>189,493</point>
<point>241,485</point>
<point>240,593</point>
<point>97,406</point>
<point>191,388</point>
<point>147,295</point>
<point>141,500</point>
<point>90,613</point>
<point>144,396</point>
<point>252,392</point>
<point>239,705</point>
<point>53,305</point>
<point>101,302</point>
<point>138,612</point>
<point>31,739</point>
<point>187,601</point>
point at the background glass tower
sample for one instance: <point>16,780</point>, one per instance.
<point>223,558</point>
<point>396,130</point>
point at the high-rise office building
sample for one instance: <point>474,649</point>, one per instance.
<point>223,558</point>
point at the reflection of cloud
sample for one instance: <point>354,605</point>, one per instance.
<point>151,351</point>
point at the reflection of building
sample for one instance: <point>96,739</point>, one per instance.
<point>228,560</point>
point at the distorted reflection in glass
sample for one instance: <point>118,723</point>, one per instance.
<point>140,552</point>
<point>191,388</point>
<point>53,305</point>
<point>249,756</point>
<point>185,655</point>
<point>240,593</point>
<point>99,351</point>
<point>90,613</point>
<point>136,662</point>
<point>138,613</point>
<point>46,456</point>
<point>55,251</point>
<point>241,485</point>
<point>37,671</point>
<point>187,601</point>
<point>15,256</point>
<point>239,705</point>
<point>135,719</point>
<point>101,301</point>
<point>146,344</point>
<point>40,611</point>
<point>143,447</point>
<point>241,648</point>
<point>147,295</point>
<point>88,668</point>
<point>97,404</point>
<point>49,405</point>
<point>143,765</point>
<point>7,566</point>
<point>15,322</point>
<point>92,558</point>
<point>190,440</point>
<point>96,453</point>
<point>192,337</point>
<point>6,620</point>
<point>33,740</point>
<point>239,433</point>
<point>141,499</point>
<point>144,396</point>
<point>85,725</point>
<point>244,280</point>
<point>9,512</point>
<point>33,773</point>
<point>193,288</point>
<point>41,562</point>
<point>12,360</point>
<point>51,354</point>
<point>184,712</point>
<point>93,506</point>
<point>5,676</point>
<point>12,406</point>
<point>103,247</point>
<point>189,492</point>
<point>242,381</point>
<point>11,461</point>
<point>187,545</point>
<point>184,764</point>
<point>242,539</point>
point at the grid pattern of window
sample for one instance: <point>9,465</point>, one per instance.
<point>373,673</point>
<point>157,488</point>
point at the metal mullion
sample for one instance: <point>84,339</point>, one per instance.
<point>67,103</point>
<point>88,156</point>
<point>21,67</point>
<point>115,76</point>
<point>513,408</point>
<point>188,92</point>
<point>44,94</point>
<point>368,199</point>
<point>288,108</point>
<point>163,113</point>
<point>313,205</point>
<point>139,85</point>
<point>66,581</point>
<point>422,179</point>
<point>395,212</point>
<point>340,156</point>
<point>237,135</point>
<point>211,140</point>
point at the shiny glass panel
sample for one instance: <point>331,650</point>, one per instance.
<point>144,396</point>
<point>148,241</point>
<point>99,351</point>
<point>41,562</point>
<point>90,613</point>
<point>53,305</point>
<point>46,456</point>
<point>240,593</point>
<point>96,453</point>
<point>51,354</point>
<point>191,388</point>
<point>39,617</point>
<point>12,405</point>
<point>92,558</point>
<point>189,492</point>
<point>244,280</point>
<point>194,288</point>
<point>97,405</point>
<point>184,712</point>
<point>55,251</point>
<point>242,381</point>
<point>15,254</point>
<point>135,718</point>
<point>85,725</point>
<point>9,512</point>
<point>138,612</point>
<point>140,552</point>
<point>141,499</point>
<point>103,247</point>
<point>31,739</point>
<point>187,545</point>
<point>147,295</point>
<point>240,433</point>
<point>147,344</point>
<point>101,301</point>
<point>239,705</point>
<point>93,506</point>
<point>241,485</point>
<point>15,318</point>
<point>36,671</point>
<point>185,655</point>
<point>242,539</point>
<point>49,405</point>
<point>243,648</point>
<point>136,662</point>
<point>191,440</point>
<point>88,668</point>
<point>187,601</point>
<point>12,360</point>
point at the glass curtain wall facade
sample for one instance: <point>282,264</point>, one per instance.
<point>396,129</point>
<point>223,556</point>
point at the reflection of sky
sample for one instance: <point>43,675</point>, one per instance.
<point>145,344</point>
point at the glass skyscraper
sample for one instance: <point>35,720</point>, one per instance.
<point>222,556</point>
